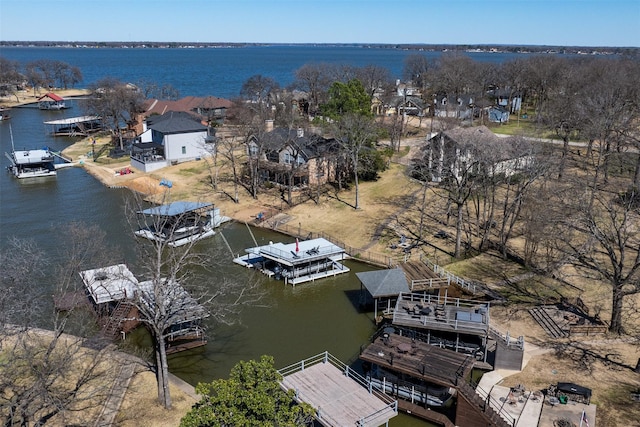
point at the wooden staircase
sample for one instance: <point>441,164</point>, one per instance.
<point>495,419</point>
<point>112,327</point>
<point>546,322</point>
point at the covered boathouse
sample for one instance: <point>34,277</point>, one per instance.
<point>74,126</point>
<point>116,293</point>
<point>299,262</point>
<point>51,101</point>
<point>340,396</point>
<point>412,366</point>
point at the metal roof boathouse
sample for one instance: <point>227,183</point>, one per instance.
<point>115,291</point>
<point>299,262</point>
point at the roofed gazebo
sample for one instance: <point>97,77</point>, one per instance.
<point>383,285</point>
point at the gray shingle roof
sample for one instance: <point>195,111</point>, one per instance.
<point>384,283</point>
<point>173,122</point>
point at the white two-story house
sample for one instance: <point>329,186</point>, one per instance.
<point>170,139</point>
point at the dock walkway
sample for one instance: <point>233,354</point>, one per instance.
<point>336,395</point>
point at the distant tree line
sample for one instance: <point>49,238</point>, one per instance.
<point>42,73</point>
<point>560,49</point>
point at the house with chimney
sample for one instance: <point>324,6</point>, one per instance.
<point>455,152</point>
<point>294,157</point>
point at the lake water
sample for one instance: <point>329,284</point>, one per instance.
<point>300,322</point>
<point>221,71</point>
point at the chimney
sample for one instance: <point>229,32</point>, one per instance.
<point>268,125</point>
<point>300,132</point>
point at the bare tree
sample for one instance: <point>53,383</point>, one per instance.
<point>374,78</point>
<point>231,151</point>
<point>259,89</point>
<point>602,241</point>
<point>250,124</point>
<point>49,73</point>
<point>315,79</point>
<point>116,103</point>
<point>175,293</point>
<point>541,76</point>
<point>454,74</point>
<point>416,69</point>
<point>354,133</point>
<point>48,375</point>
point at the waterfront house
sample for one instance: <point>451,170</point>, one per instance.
<point>170,139</point>
<point>507,98</point>
<point>409,105</point>
<point>210,109</point>
<point>291,157</point>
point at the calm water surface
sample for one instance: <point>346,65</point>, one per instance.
<point>299,322</point>
<point>221,71</point>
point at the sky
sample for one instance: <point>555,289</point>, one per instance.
<point>611,23</point>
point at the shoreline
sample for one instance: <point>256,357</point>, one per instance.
<point>27,97</point>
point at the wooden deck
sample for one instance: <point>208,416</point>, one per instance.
<point>339,400</point>
<point>442,314</point>
<point>422,360</point>
<point>417,270</point>
<point>425,413</point>
<point>71,300</point>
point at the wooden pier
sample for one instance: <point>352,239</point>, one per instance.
<point>337,393</point>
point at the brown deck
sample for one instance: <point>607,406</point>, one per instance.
<point>421,360</point>
<point>425,413</point>
<point>176,347</point>
<point>71,300</point>
<point>338,400</point>
<point>417,270</point>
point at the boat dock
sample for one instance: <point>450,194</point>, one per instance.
<point>74,126</point>
<point>416,362</point>
<point>114,290</point>
<point>180,223</point>
<point>299,262</point>
<point>339,394</point>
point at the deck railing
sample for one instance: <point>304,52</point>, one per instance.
<point>358,253</point>
<point>452,277</point>
<point>328,250</point>
<point>401,315</point>
<point>506,338</point>
<point>326,357</point>
<point>491,404</point>
<point>430,283</point>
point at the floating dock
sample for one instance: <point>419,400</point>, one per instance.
<point>298,262</point>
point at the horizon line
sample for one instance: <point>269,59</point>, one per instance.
<point>312,43</point>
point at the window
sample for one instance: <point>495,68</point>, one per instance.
<point>184,150</point>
